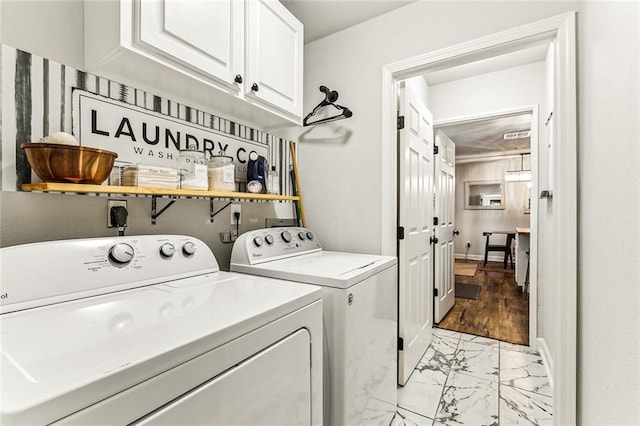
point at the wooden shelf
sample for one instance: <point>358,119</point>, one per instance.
<point>155,192</point>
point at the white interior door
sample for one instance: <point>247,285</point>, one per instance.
<point>444,294</point>
<point>415,215</point>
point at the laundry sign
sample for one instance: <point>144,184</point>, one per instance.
<point>141,136</point>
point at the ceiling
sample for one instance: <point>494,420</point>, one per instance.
<point>324,17</point>
<point>486,137</point>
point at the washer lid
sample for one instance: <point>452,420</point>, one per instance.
<point>325,268</point>
<point>61,358</point>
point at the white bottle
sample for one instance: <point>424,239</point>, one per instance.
<point>273,181</point>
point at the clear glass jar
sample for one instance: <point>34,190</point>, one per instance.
<point>222,173</point>
<point>193,169</point>
<point>273,181</point>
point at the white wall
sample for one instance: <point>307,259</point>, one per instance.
<point>419,87</point>
<point>472,223</point>
<point>51,29</point>
<point>496,91</point>
<point>609,214</point>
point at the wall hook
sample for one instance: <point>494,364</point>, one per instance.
<point>330,97</point>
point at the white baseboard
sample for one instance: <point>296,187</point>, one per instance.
<point>547,360</point>
<point>479,257</point>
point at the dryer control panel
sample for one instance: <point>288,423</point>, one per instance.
<point>56,271</point>
<point>269,244</point>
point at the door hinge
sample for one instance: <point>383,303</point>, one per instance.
<point>400,122</point>
<point>401,232</point>
<point>435,292</point>
<point>436,150</point>
<point>435,221</point>
<point>400,344</point>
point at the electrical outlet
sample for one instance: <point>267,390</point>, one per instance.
<point>114,203</point>
<point>468,244</point>
<point>235,208</point>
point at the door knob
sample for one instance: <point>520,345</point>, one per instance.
<point>433,240</point>
<point>456,232</point>
<point>255,87</point>
<point>238,79</point>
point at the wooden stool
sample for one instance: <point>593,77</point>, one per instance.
<point>504,248</point>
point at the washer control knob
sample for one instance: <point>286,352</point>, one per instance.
<point>121,254</point>
<point>301,235</point>
<point>286,236</point>
<point>189,248</point>
<point>258,241</point>
<point>309,235</point>
<point>269,239</point>
<point>167,250</point>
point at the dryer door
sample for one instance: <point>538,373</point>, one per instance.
<point>271,387</point>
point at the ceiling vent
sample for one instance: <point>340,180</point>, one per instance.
<point>517,135</point>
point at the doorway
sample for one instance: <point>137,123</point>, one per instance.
<point>559,188</point>
<point>492,299</point>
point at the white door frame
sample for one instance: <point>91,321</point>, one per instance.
<point>533,218</point>
<point>563,29</point>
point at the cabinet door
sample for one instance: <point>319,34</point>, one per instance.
<point>274,56</point>
<point>202,35</point>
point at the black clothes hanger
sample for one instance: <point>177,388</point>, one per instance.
<point>330,96</point>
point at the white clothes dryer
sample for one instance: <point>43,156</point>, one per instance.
<point>147,330</point>
<point>359,292</point>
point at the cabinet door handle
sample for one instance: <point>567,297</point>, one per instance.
<point>238,79</point>
<point>255,87</point>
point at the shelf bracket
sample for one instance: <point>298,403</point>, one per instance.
<point>156,213</point>
<point>212,211</point>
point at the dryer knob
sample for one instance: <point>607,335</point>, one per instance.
<point>258,241</point>
<point>269,239</point>
<point>189,248</point>
<point>301,235</point>
<point>309,235</point>
<point>121,254</point>
<point>286,236</point>
<point>167,250</point>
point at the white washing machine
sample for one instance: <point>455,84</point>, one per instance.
<point>147,330</point>
<point>359,292</point>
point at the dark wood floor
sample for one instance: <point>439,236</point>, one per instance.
<point>501,312</point>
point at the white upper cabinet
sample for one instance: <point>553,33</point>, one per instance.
<point>205,36</point>
<point>240,57</point>
<point>274,56</point>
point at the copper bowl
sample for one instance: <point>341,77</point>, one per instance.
<point>69,163</point>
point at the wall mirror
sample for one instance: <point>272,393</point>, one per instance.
<point>484,195</point>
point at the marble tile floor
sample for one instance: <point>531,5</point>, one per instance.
<point>469,380</point>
